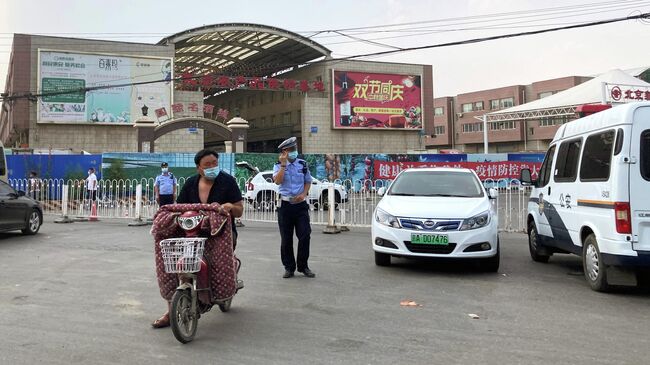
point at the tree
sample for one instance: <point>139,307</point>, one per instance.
<point>115,171</point>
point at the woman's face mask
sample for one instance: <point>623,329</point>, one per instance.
<point>211,173</point>
<point>164,169</point>
<point>293,155</point>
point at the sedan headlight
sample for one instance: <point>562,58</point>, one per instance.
<point>386,219</point>
<point>477,221</point>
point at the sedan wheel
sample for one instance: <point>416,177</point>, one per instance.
<point>33,223</point>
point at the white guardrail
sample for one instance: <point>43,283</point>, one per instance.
<point>121,199</point>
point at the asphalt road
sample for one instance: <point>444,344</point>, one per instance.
<point>86,293</point>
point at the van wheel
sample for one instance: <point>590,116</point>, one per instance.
<point>593,265</point>
<point>534,245</point>
<point>382,259</point>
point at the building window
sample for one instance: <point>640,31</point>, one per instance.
<point>507,102</point>
<point>261,98</point>
<point>467,107</point>
<point>478,105</point>
<point>494,104</point>
<point>439,111</point>
<point>287,118</point>
<point>597,157</point>
<point>439,129</point>
<point>472,127</point>
<point>548,122</point>
<point>495,126</point>
<point>544,94</point>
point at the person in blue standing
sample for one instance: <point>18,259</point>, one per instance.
<point>294,179</point>
<point>165,186</point>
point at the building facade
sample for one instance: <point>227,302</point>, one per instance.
<point>457,124</point>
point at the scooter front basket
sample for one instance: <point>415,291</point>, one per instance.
<point>182,255</point>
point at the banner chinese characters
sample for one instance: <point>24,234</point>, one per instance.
<point>484,170</point>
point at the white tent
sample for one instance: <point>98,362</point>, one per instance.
<point>594,91</point>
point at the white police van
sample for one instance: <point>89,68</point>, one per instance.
<point>592,196</point>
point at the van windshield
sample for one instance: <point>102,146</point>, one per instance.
<point>437,183</point>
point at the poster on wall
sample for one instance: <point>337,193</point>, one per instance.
<point>376,101</point>
<point>60,71</point>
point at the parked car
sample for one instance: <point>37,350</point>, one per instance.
<point>436,212</point>
<point>590,198</point>
<point>18,211</point>
<point>262,192</point>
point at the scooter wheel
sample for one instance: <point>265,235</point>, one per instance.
<point>225,307</point>
<point>182,319</point>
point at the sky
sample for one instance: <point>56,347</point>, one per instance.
<point>458,69</point>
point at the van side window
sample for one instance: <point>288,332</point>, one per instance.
<point>545,170</point>
<point>619,142</point>
<point>597,156</point>
<point>566,165</point>
<point>645,154</point>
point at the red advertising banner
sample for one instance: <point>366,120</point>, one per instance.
<point>484,170</point>
<point>372,100</point>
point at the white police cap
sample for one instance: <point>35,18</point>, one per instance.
<point>288,143</point>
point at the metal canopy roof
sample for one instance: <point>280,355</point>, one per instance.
<point>241,49</point>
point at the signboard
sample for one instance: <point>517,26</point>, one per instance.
<point>627,93</point>
<point>484,170</point>
<point>376,101</point>
<point>64,77</point>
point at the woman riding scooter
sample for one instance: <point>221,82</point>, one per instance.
<point>210,185</point>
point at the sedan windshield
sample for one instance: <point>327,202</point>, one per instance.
<point>437,183</point>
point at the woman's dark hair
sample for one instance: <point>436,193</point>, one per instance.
<point>202,153</point>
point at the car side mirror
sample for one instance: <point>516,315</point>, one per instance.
<point>20,193</point>
<point>493,193</point>
<point>381,191</point>
<point>525,177</point>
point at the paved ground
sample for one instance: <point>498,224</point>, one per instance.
<point>86,293</point>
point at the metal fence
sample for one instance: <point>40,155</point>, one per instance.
<point>120,199</point>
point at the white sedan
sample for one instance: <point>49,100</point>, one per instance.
<point>436,212</point>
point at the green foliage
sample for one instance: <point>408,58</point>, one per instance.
<point>115,171</point>
<point>75,173</point>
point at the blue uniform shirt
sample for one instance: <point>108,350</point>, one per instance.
<point>165,183</point>
<point>296,175</point>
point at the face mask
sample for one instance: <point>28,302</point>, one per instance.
<point>211,173</point>
<point>164,169</point>
<point>293,155</point>
<point>90,172</point>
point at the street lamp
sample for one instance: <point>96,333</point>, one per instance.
<point>145,110</point>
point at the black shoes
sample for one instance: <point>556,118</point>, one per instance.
<point>308,273</point>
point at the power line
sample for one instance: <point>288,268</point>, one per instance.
<point>32,96</point>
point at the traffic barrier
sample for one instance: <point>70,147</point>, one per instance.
<point>134,200</point>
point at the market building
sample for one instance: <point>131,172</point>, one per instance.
<point>232,87</point>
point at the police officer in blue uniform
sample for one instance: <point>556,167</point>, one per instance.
<point>292,174</point>
<point>165,186</point>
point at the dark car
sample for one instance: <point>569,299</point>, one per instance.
<point>18,211</point>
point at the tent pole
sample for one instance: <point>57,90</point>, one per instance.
<point>485,134</point>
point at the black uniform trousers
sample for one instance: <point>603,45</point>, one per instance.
<point>166,199</point>
<point>290,217</point>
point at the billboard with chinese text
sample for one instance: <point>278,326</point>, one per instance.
<point>376,101</point>
<point>484,170</point>
<point>66,81</point>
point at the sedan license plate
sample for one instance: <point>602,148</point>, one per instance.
<point>429,239</point>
